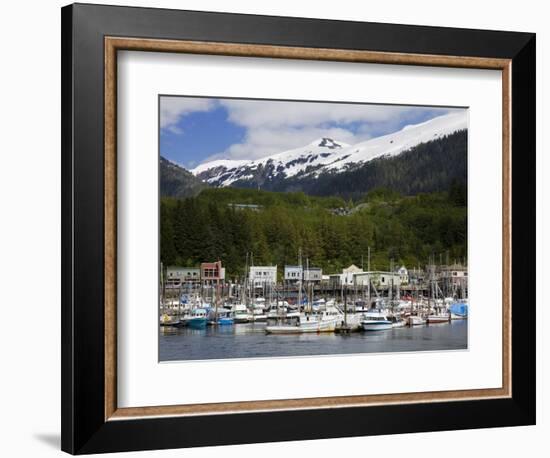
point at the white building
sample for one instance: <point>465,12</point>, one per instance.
<point>346,277</point>
<point>263,275</point>
<point>404,275</point>
<point>455,275</point>
<point>293,274</point>
<point>377,278</point>
<point>176,275</point>
<point>313,274</point>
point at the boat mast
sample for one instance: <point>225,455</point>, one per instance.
<point>244,294</point>
<point>301,279</point>
<point>250,282</point>
<point>346,306</point>
<point>162,290</point>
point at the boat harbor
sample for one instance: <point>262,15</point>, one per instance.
<point>300,305</point>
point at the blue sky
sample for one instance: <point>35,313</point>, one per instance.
<point>196,129</point>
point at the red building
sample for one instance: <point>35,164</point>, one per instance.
<point>212,272</point>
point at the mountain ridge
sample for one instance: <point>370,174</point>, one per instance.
<point>326,154</point>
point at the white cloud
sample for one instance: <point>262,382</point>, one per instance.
<point>275,126</point>
<point>260,113</point>
<point>172,109</point>
<point>264,141</point>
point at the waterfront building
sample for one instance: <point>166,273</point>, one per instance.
<point>416,276</point>
<point>176,276</point>
<point>212,273</point>
<point>346,277</point>
<point>313,274</point>
<point>454,279</point>
<point>261,276</point>
<point>293,274</point>
<point>183,274</point>
<point>377,278</point>
<point>404,275</point>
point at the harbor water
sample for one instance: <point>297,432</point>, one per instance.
<point>250,341</point>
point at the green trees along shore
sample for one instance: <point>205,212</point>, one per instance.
<point>227,223</point>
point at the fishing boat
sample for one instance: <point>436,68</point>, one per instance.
<point>375,321</point>
<point>198,318</point>
<point>258,315</point>
<point>459,311</point>
<point>258,311</point>
<point>225,321</point>
<point>167,320</point>
<point>324,321</point>
<point>398,322</point>
<point>241,313</point>
<point>350,322</point>
<point>222,317</point>
<point>415,320</point>
<point>438,318</point>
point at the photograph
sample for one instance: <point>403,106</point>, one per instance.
<point>274,227</point>
<point>304,228</point>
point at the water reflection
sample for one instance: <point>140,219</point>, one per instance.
<point>250,340</point>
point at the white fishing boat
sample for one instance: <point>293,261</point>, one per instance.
<point>324,321</point>
<point>399,323</point>
<point>273,313</point>
<point>375,321</point>
<point>415,320</point>
<point>258,313</point>
<point>350,322</point>
<point>241,313</point>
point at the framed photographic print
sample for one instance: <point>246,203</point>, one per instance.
<point>283,228</point>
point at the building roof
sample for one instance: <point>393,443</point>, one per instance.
<point>182,268</point>
<point>205,265</point>
<point>352,268</point>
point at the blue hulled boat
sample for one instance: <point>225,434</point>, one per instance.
<point>198,318</point>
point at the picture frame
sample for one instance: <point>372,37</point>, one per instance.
<point>92,35</point>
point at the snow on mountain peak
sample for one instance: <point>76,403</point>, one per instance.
<point>326,154</point>
<point>327,142</point>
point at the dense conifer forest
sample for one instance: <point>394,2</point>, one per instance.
<point>332,232</point>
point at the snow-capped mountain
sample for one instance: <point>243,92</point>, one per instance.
<point>326,155</point>
<point>287,164</point>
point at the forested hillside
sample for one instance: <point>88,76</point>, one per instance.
<point>427,167</point>
<point>175,181</point>
<point>331,232</point>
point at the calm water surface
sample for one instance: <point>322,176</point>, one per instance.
<point>251,341</point>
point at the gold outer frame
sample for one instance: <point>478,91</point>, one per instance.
<point>114,44</point>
